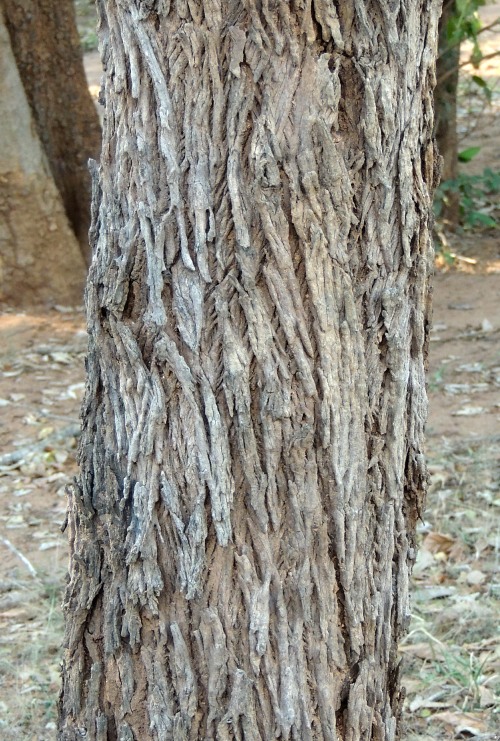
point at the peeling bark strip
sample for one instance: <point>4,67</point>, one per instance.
<point>243,527</point>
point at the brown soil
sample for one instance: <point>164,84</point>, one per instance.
<point>464,368</point>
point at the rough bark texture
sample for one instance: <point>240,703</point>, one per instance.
<point>40,260</point>
<point>446,110</point>
<point>242,531</point>
<point>49,59</point>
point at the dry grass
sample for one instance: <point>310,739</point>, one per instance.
<point>30,644</point>
<point>452,652</point>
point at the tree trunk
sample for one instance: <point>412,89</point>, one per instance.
<point>446,110</point>
<point>48,54</point>
<point>40,260</point>
<point>252,466</point>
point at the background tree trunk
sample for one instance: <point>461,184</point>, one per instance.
<point>40,260</point>
<point>49,59</point>
<point>446,109</point>
<point>252,467</point>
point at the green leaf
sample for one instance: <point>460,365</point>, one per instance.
<point>477,55</point>
<point>477,218</point>
<point>466,155</point>
<point>481,82</point>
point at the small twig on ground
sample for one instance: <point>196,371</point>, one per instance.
<point>18,455</point>
<point>17,553</point>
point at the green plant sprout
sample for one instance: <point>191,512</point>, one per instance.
<point>475,196</point>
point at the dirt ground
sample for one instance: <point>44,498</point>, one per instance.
<point>452,654</point>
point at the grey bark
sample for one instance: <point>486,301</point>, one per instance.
<point>252,468</point>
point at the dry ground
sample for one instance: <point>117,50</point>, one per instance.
<point>452,653</point>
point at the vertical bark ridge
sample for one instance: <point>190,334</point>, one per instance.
<point>252,470</point>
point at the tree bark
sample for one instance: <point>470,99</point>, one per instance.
<point>48,54</point>
<point>40,260</point>
<point>252,469</point>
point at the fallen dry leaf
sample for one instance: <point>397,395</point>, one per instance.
<point>426,651</point>
<point>465,388</point>
<point>424,561</point>
<point>45,432</point>
<point>433,592</point>
<point>475,577</point>
<point>470,368</point>
<point>468,412</point>
<point>443,547</point>
<point>486,697</point>
<point>422,702</point>
<point>14,613</point>
<point>436,542</point>
<point>458,722</point>
<point>48,545</point>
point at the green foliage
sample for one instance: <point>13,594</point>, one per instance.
<point>464,24</point>
<point>86,20</point>
<point>89,40</point>
<point>476,193</point>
